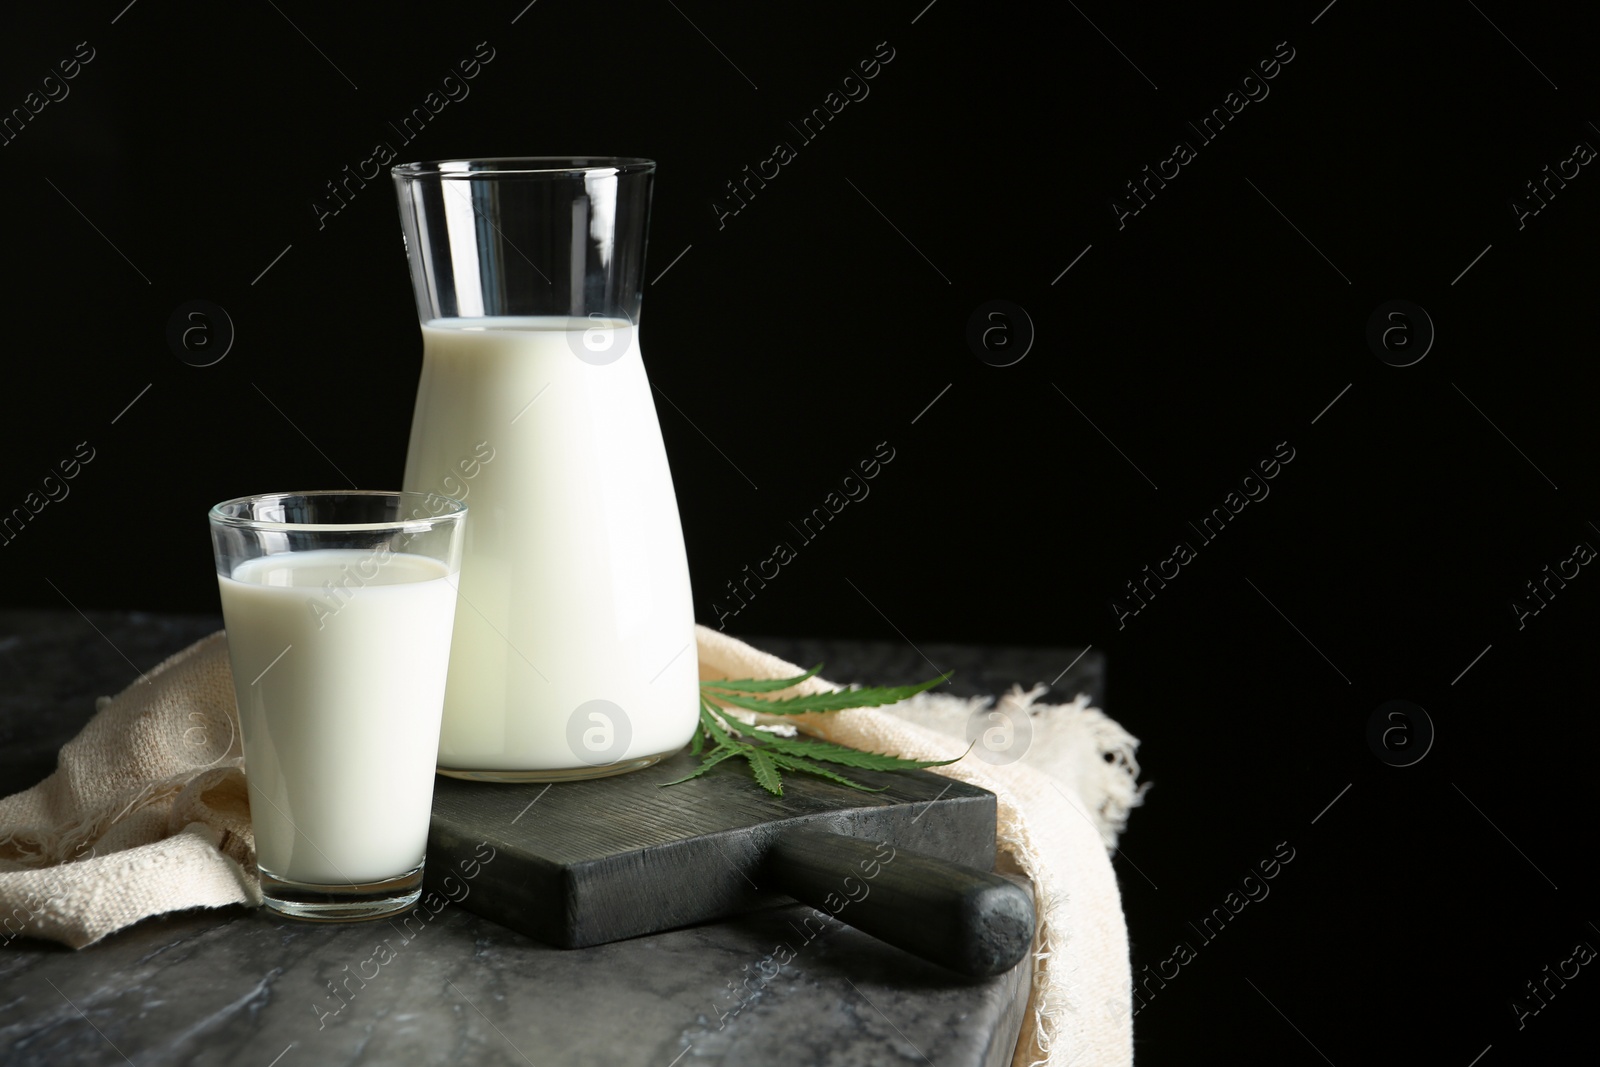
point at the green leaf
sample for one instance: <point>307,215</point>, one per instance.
<point>796,763</point>
<point>776,753</point>
<point>849,757</point>
<point>714,726</point>
<point>765,767</point>
<point>869,697</point>
<point>760,685</point>
<point>710,762</point>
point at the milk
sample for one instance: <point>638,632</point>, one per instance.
<point>574,639</point>
<point>339,700</point>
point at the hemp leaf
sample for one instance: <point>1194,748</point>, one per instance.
<point>777,753</point>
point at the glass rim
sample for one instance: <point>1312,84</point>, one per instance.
<point>521,167</point>
<point>455,512</point>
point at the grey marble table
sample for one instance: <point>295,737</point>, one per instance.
<point>237,986</point>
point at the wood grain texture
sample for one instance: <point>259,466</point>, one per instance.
<point>974,922</point>
<point>585,863</point>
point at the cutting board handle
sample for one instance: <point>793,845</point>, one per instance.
<point>973,922</point>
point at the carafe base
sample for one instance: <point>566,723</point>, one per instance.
<point>565,774</point>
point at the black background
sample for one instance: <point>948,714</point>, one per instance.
<point>827,315</point>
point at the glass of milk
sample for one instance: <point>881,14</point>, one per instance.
<point>339,609</point>
<point>574,653</point>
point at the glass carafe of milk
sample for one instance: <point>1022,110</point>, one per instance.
<point>573,655</point>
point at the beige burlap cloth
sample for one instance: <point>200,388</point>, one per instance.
<point>146,813</point>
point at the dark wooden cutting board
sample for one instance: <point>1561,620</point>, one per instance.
<point>584,863</point>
